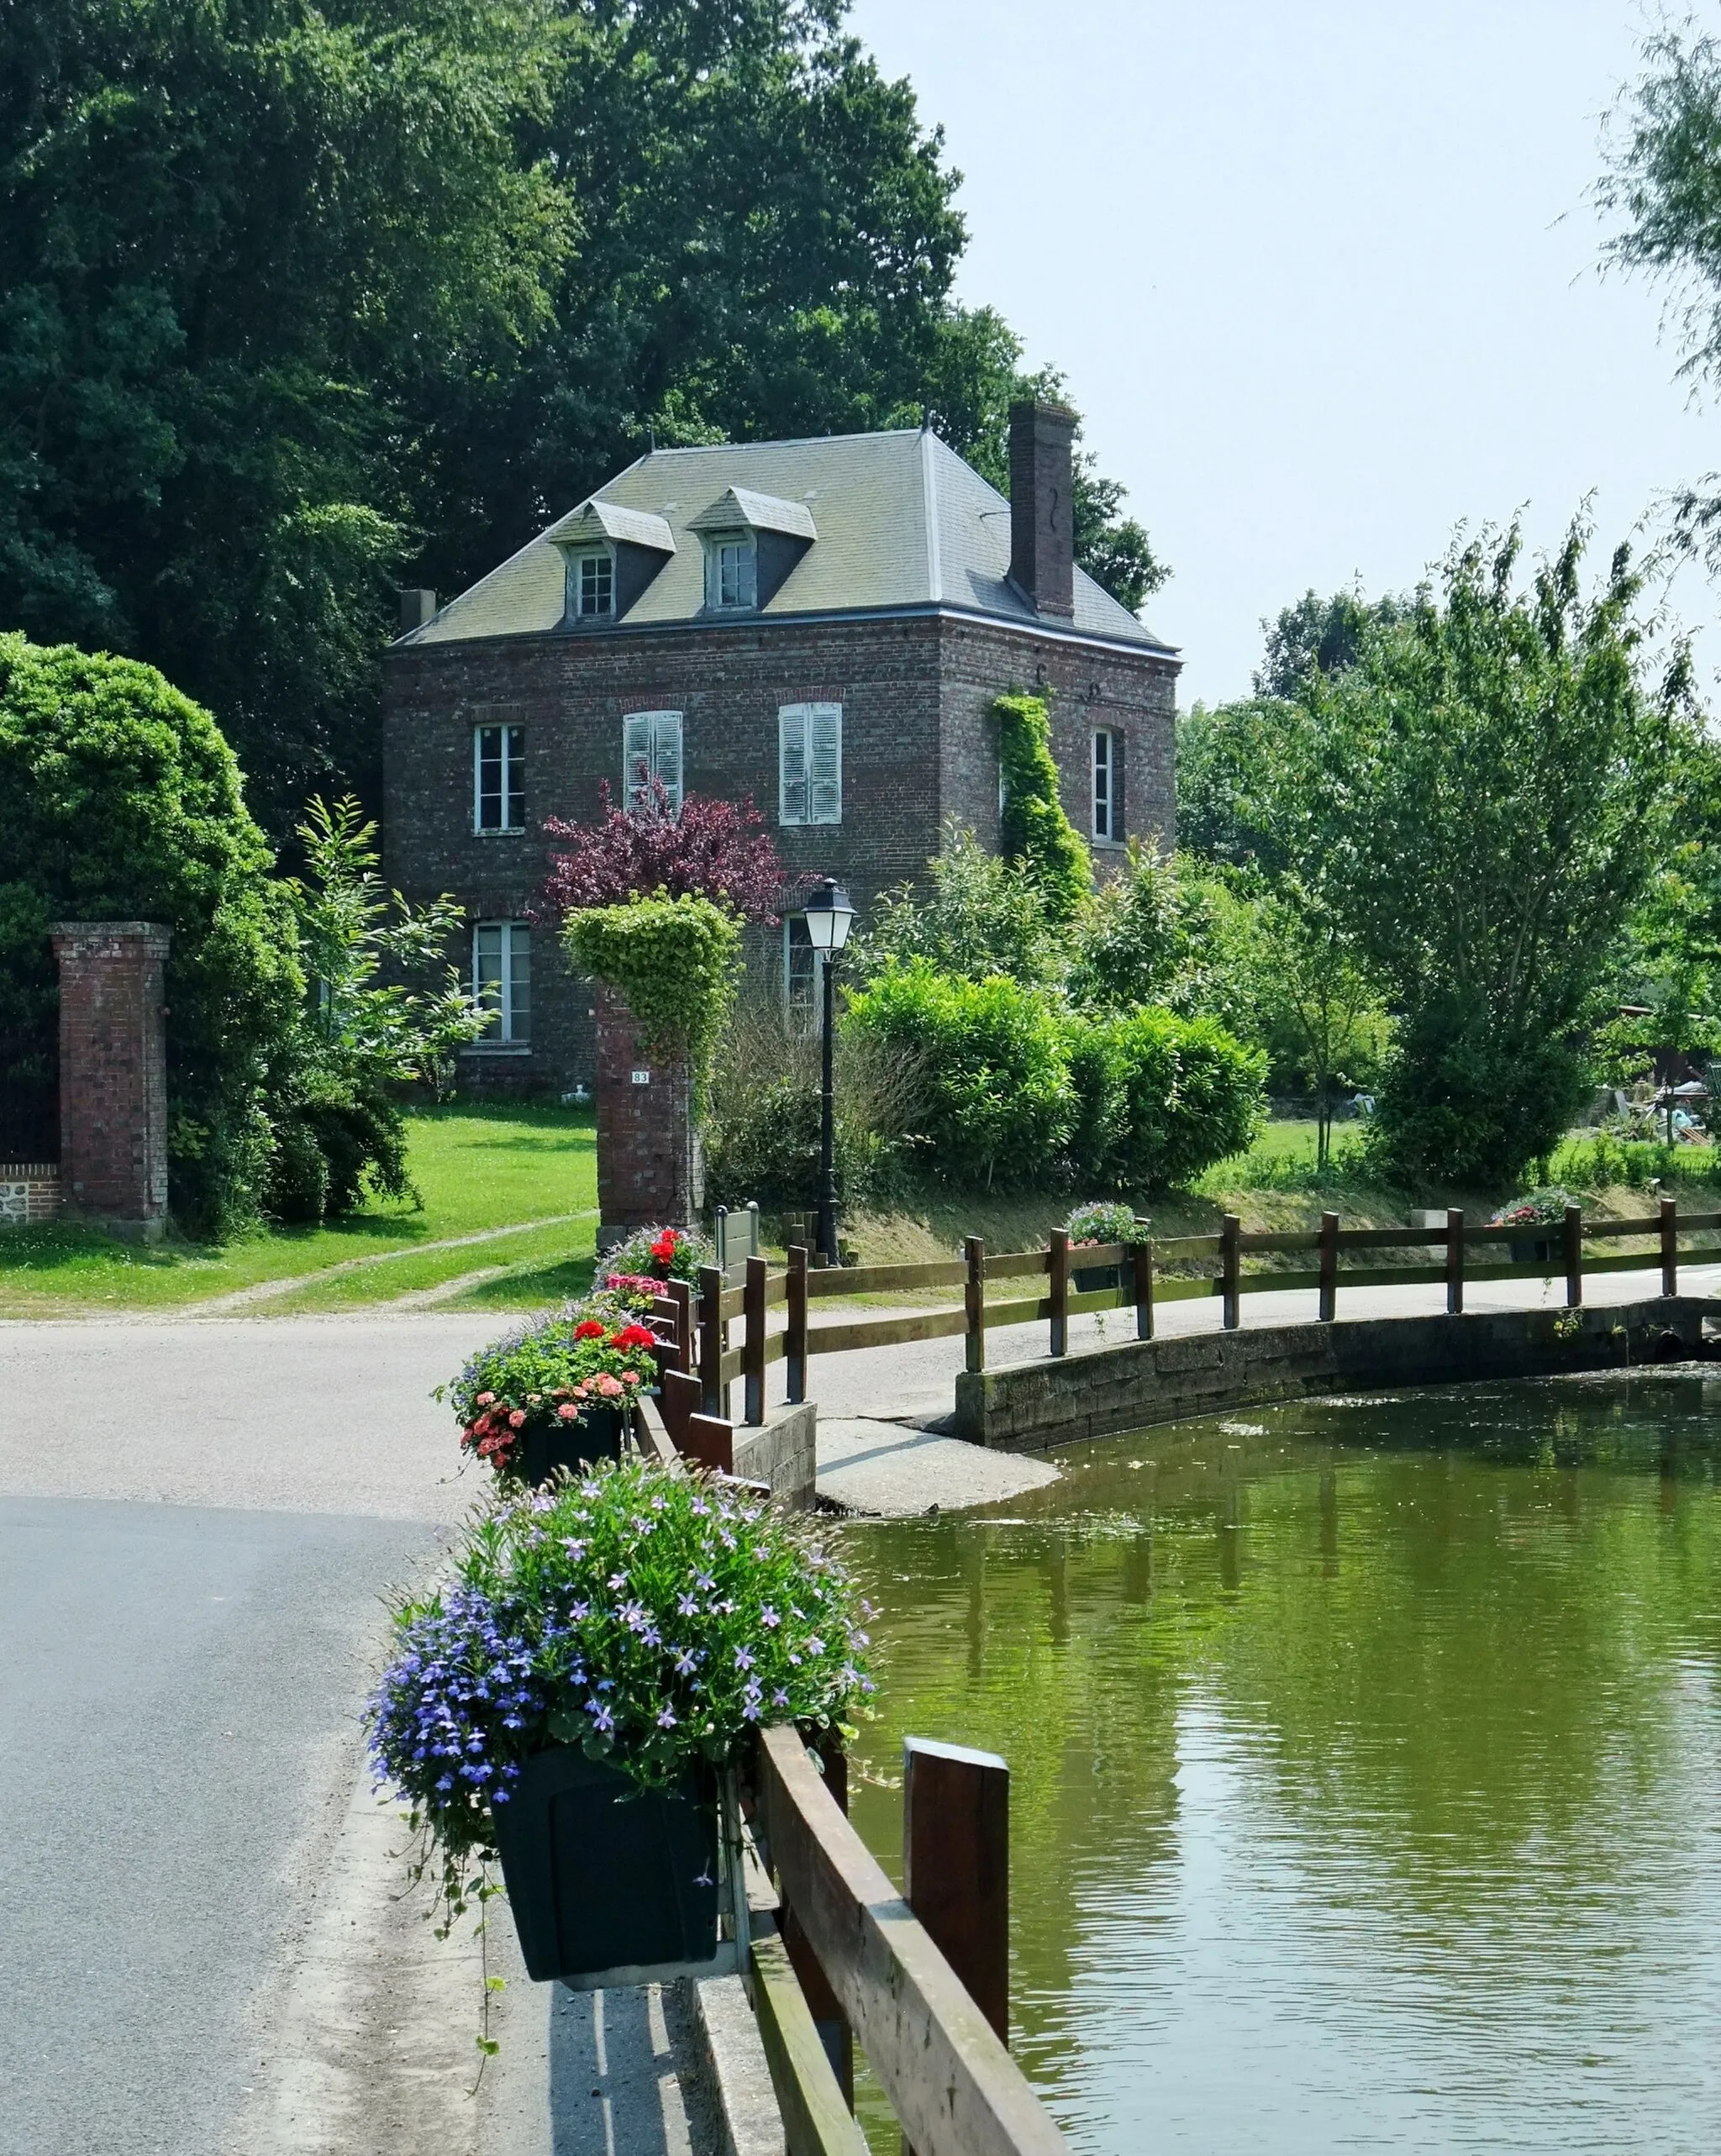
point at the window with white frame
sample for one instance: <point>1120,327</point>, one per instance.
<point>809,748</point>
<point>592,584</point>
<point>501,980</point>
<point>732,571</point>
<point>651,749</point>
<point>1105,784</point>
<point>802,986</point>
<point>498,778</point>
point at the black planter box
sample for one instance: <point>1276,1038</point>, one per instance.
<point>1094,1279</point>
<point>597,1435</point>
<point>1536,1250</point>
<point>606,1880</point>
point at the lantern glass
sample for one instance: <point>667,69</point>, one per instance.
<point>828,915</point>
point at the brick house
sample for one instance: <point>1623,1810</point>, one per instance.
<point>822,626</point>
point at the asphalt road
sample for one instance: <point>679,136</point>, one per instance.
<point>177,1696</point>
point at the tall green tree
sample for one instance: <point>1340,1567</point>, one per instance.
<point>768,238</point>
<point>241,247</point>
<point>299,302</point>
<point>1660,193</point>
<point>1481,799</point>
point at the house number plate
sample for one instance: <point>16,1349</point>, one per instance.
<point>642,1077</point>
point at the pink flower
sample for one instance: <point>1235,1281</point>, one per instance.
<point>485,1398</point>
<point>631,1377</point>
<point>517,1420</point>
<point>610,1387</point>
<point>568,1412</point>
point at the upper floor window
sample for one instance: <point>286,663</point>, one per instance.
<point>1106,819</point>
<point>498,778</point>
<point>592,582</point>
<point>809,742</point>
<point>732,572</point>
<point>651,749</point>
<point>501,980</point>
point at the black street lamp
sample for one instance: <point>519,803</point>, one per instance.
<point>828,915</point>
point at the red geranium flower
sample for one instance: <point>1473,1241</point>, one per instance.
<point>632,1336</point>
<point>589,1328</point>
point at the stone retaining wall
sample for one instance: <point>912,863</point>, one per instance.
<point>782,1452</point>
<point>30,1193</point>
<point>1031,1406</point>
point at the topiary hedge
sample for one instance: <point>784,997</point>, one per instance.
<point>676,960</point>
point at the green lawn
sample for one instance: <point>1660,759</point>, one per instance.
<point>478,1168</point>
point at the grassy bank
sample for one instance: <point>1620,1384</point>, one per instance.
<point>513,1174</point>
<point>478,1168</point>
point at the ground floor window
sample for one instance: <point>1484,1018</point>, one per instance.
<point>501,980</point>
<point>801,983</point>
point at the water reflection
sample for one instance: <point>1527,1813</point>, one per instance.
<point>1366,1778</point>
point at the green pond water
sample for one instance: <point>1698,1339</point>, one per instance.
<point>1365,1768</point>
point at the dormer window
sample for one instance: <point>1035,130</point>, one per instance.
<point>591,576</point>
<point>732,571</point>
<point>753,544</point>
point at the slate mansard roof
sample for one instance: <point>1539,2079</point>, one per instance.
<point>903,524</point>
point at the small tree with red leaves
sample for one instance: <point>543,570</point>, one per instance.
<point>715,849</point>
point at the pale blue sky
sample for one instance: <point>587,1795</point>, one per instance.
<point>1321,277</point>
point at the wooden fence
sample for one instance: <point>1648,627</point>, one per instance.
<point>921,1978</point>
<point>1142,1275</point>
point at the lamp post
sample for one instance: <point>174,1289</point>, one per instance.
<point>828,915</point>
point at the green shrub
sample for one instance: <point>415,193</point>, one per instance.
<point>1035,829</point>
<point>1456,1105</point>
<point>1160,1098</point>
<point>119,800</point>
<point>997,1107</point>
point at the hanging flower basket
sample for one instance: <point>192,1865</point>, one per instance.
<point>557,1394</point>
<point>571,1706</point>
<point>608,1883</point>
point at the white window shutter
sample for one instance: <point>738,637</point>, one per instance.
<point>666,753</point>
<point>791,763</point>
<point>636,759</point>
<point>825,764</point>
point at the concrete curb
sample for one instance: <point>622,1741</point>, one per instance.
<point>732,2063</point>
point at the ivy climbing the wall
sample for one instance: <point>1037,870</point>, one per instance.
<point>1034,828</point>
<point>676,960</point>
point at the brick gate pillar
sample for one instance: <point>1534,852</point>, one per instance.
<point>650,1171</point>
<point>113,1073</point>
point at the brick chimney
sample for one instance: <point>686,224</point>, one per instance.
<point>1042,559</point>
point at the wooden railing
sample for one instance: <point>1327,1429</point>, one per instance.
<point>920,1977</point>
<point>1147,1273</point>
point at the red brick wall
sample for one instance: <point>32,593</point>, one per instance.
<point>648,1165</point>
<point>113,1072</point>
<point>918,747</point>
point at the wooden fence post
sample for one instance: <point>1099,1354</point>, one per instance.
<point>1454,1263</point>
<point>1060,1272</point>
<point>711,1340</point>
<point>681,1294</point>
<point>1141,1279</point>
<point>957,1865</point>
<point>1231,1279</point>
<point>1330,1267</point>
<point>795,1350</point>
<point>753,1343</point>
<point>1574,1256</point>
<point>1670,1246</point>
<point>974,1302</point>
